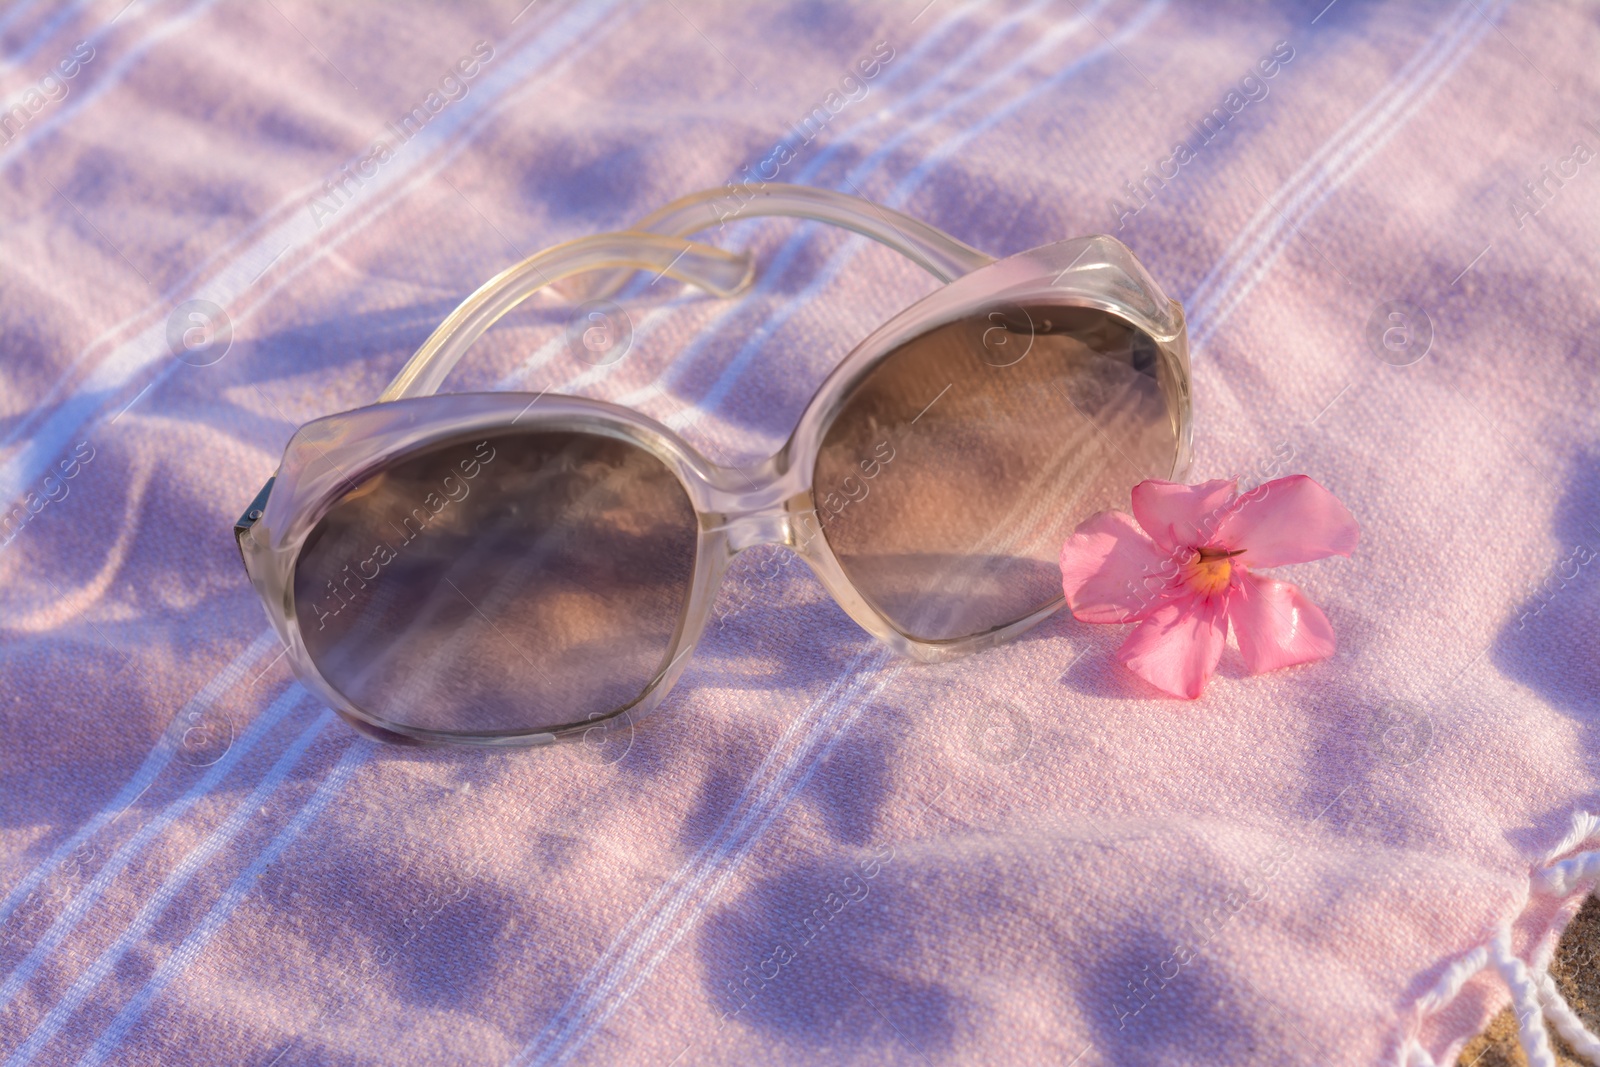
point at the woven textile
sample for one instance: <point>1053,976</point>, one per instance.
<point>1381,220</point>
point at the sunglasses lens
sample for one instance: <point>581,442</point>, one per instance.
<point>953,472</point>
<point>520,583</point>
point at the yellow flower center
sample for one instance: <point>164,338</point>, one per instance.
<point>1209,571</point>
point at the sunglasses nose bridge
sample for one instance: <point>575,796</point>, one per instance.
<point>757,528</point>
<point>762,511</point>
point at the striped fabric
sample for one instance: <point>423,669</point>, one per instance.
<point>1382,221</point>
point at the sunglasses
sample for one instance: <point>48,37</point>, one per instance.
<point>512,569</point>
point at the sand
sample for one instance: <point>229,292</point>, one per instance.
<point>1576,970</point>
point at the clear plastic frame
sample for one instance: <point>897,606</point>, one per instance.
<point>772,502</point>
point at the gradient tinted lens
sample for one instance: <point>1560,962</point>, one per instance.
<point>516,583</point>
<point>952,474</point>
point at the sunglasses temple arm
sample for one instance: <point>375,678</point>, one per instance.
<point>931,249</point>
<point>718,272</point>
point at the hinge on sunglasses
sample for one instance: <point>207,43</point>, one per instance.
<point>252,515</point>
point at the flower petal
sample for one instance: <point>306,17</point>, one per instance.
<point>1176,649</point>
<point>1182,516</point>
<point>1288,520</point>
<point>1277,625</point>
<point>1110,571</point>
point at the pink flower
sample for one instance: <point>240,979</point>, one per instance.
<point>1185,572</point>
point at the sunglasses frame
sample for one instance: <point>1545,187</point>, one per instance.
<point>770,502</point>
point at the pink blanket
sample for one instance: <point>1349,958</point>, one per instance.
<point>815,852</point>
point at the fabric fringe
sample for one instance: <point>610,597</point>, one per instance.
<point>1534,994</point>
